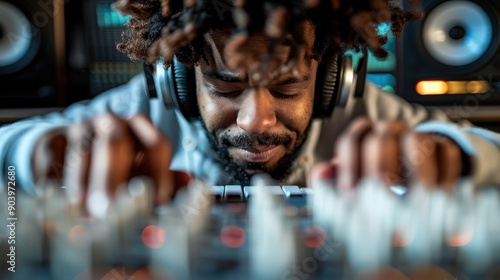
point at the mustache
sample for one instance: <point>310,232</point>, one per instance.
<point>246,140</point>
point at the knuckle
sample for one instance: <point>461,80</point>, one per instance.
<point>108,126</point>
<point>147,133</point>
<point>390,127</point>
<point>141,117</point>
<point>359,124</point>
<point>357,131</point>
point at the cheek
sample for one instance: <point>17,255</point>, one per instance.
<point>296,113</point>
<point>216,113</point>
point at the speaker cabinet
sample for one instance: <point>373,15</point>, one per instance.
<point>34,69</point>
<point>452,56</point>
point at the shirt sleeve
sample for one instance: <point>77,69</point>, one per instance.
<point>481,145</point>
<point>17,140</point>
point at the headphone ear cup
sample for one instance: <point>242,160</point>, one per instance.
<point>179,89</point>
<point>334,84</point>
<point>327,86</point>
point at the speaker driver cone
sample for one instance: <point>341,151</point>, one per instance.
<point>16,39</point>
<point>457,33</point>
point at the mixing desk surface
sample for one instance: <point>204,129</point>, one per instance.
<point>264,231</point>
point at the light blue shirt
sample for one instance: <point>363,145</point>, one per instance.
<point>193,153</point>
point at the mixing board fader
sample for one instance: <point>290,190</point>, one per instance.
<point>263,231</point>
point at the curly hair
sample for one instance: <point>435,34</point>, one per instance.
<point>164,28</point>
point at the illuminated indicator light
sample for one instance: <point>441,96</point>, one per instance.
<point>314,236</point>
<point>431,87</point>
<point>477,87</point>
<point>232,236</point>
<point>456,87</point>
<point>153,237</point>
<point>460,239</point>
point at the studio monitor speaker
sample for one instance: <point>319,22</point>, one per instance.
<point>32,53</point>
<point>56,52</point>
<point>452,56</point>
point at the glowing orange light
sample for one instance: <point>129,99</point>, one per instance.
<point>478,87</point>
<point>153,237</point>
<point>431,87</point>
<point>232,236</point>
<point>456,87</point>
<point>314,236</point>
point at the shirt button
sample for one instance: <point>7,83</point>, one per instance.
<point>189,144</point>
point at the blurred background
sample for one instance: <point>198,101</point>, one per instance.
<point>56,52</point>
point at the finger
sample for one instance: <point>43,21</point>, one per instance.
<point>181,178</point>
<point>157,156</point>
<point>181,181</point>
<point>111,160</point>
<point>421,158</point>
<point>323,172</point>
<point>348,153</point>
<point>381,152</point>
<point>77,162</point>
<point>449,158</point>
<point>370,148</point>
<point>48,157</point>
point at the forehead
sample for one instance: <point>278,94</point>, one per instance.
<point>254,51</point>
<point>258,42</point>
<point>255,47</point>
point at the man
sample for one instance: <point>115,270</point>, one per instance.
<point>256,66</point>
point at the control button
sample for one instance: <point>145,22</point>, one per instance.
<point>307,191</point>
<point>233,193</point>
<point>217,191</point>
<point>292,191</point>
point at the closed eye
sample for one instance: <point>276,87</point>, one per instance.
<point>230,94</point>
<point>283,95</point>
<point>289,90</point>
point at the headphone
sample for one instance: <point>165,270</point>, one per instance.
<point>334,83</point>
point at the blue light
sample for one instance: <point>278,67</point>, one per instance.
<point>107,16</point>
<point>384,29</point>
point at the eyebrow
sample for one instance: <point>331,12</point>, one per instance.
<point>230,78</point>
<point>223,76</point>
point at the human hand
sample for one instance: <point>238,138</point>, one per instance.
<point>394,154</point>
<point>103,154</point>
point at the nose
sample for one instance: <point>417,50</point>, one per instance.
<point>256,113</point>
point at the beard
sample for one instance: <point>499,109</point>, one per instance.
<point>238,173</point>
